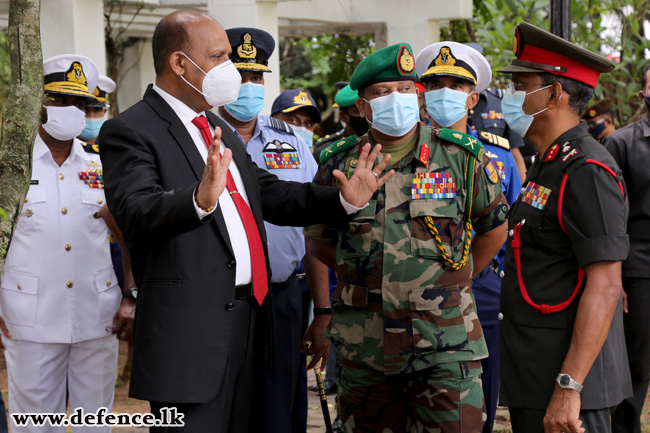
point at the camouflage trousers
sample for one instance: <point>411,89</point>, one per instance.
<point>446,398</point>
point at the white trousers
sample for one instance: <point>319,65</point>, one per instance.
<point>39,372</point>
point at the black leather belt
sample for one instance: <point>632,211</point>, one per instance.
<point>244,292</point>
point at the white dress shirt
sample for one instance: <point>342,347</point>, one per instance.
<point>234,224</point>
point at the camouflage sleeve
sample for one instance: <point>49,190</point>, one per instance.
<point>489,207</point>
<point>322,232</point>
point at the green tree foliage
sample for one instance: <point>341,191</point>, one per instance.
<point>612,28</point>
<point>317,63</point>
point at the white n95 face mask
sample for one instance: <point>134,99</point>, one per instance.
<point>220,85</point>
<point>64,123</point>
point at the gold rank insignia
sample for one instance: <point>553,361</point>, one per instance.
<point>424,154</point>
<point>301,98</point>
<point>247,50</point>
<point>29,212</point>
<point>75,74</point>
<point>405,61</point>
<point>445,58</point>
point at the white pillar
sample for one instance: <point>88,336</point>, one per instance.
<point>136,73</point>
<point>74,27</point>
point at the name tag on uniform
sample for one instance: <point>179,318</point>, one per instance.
<point>433,185</point>
<point>536,195</point>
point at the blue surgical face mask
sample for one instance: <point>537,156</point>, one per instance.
<point>249,103</point>
<point>305,134</point>
<point>597,129</point>
<point>93,125</point>
<point>395,114</point>
<point>446,106</point>
<point>513,111</point>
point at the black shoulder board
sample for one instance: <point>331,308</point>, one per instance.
<point>336,147</point>
<point>90,148</point>
<point>496,140</point>
<point>280,125</point>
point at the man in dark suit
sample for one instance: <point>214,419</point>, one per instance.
<point>191,207</point>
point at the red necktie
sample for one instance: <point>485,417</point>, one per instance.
<point>258,262</point>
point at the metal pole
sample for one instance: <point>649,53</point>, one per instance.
<point>560,18</point>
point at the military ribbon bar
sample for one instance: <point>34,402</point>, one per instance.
<point>500,169</point>
<point>433,185</point>
<point>92,179</point>
<point>281,160</point>
<point>536,195</point>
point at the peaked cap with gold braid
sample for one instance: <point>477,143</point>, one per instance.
<point>70,74</point>
<point>251,48</point>
<point>105,86</point>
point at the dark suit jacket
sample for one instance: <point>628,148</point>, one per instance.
<point>184,267</point>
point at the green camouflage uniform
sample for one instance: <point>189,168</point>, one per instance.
<point>398,307</point>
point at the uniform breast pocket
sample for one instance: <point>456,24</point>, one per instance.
<point>33,216</point>
<point>441,218</point>
<point>437,316</point>
<point>91,201</point>
<point>19,298</point>
<point>355,240</point>
<point>109,295</point>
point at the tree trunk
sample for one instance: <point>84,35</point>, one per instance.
<point>21,116</point>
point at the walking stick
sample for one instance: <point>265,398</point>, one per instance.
<point>323,398</point>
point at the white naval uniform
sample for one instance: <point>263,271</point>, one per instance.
<point>60,293</point>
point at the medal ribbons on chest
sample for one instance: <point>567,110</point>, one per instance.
<point>536,195</point>
<point>492,115</point>
<point>500,169</point>
<point>433,185</point>
<point>280,155</point>
<point>93,176</point>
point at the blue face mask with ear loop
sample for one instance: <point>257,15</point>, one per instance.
<point>394,114</point>
<point>93,125</point>
<point>446,106</point>
<point>597,129</point>
<point>513,111</point>
<point>249,103</point>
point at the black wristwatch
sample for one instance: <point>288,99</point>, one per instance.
<point>131,293</point>
<point>322,311</point>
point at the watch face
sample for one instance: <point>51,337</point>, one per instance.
<point>565,380</point>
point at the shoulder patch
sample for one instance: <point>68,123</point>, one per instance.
<point>280,125</point>
<point>336,147</point>
<point>469,143</point>
<point>90,148</point>
<point>496,140</point>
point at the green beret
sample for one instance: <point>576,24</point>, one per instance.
<point>393,63</point>
<point>346,97</point>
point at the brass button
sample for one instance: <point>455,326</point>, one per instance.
<point>354,229</point>
<point>26,200</point>
<point>96,215</point>
<point>70,284</point>
<point>100,201</point>
<point>68,247</point>
<point>61,176</point>
<point>19,287</point>
<point>64,210</point>
<point>108,283</point>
